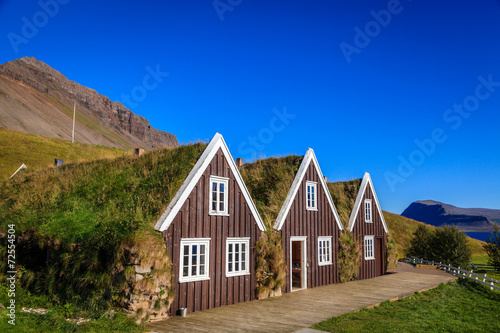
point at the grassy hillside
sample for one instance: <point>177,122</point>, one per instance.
<point>38,152</point>
<point>89,219</point>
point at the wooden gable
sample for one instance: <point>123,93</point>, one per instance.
<point>188,217</point>
<point>377,228</point>
<point>295,220</point>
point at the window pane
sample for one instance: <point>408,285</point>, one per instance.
<point>230,257</point>
<point>185,271</point>
<point>202,259</point>
<point>243,268</point>
<point>243,247</point>
<point>221,187</point>
<point>186,261</point>
<point>202,249</point>
<point>214,186</point>
<point>236,266</point>
<point>186,249</point>
<point>230,267</point>
<point>236,256</point>
<point>214,206</point>
<point>236,247</point>
<point>202,269</point>
<point>221,209</point>
<point>230,248</point>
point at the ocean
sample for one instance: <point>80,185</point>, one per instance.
<point>483,236</point>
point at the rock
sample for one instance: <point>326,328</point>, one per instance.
<point>139,277</point>
<point>141,270</point>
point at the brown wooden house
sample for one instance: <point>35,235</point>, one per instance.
<point>210,228</point>
<point>310,228</point>
<point>367,223</point>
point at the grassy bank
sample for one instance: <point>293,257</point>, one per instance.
<point>462,306</point>
<point>38,152</point>
<point>81,225</point>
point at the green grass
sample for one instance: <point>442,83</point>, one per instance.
<point>55,319</point>
<point>462,306</point>
<point>38,152</point>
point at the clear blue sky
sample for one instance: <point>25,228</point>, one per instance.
<point>360,81</point>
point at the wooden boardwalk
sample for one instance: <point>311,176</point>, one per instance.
<point>295,311</point>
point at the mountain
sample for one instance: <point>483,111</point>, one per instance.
<point>37,99</point>
<point>466,219</point>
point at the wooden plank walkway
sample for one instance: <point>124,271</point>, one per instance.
<point>295,311</point>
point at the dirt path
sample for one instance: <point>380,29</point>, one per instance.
<point>294,311</point>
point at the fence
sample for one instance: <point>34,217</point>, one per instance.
<point>457,271</point>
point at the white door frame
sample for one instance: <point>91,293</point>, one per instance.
<point>303,265</point>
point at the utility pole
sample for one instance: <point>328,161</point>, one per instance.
<point>74,115</point>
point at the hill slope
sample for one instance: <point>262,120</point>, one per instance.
<point>37,99</point>
<point>466,219</point>
<point>38,152</point>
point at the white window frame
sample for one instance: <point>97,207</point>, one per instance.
<point>233,241</point>
<point>369,247</point>
<point>368,211</point>
<point>324,250</point>
<point>312,204</point>
<point>190,242</point>
<point>218,211</point>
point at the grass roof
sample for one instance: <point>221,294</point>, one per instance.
<point>268,181</point>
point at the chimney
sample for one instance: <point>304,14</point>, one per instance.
<point>139,152</point>
<point>326,179</point>
<point>58,162</point>
<point>239,162</point>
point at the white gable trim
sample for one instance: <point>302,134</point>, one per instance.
<point>192,179</point>
<point>310,156</point>
<point>367,180</point>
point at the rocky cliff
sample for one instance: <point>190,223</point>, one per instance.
<point>37,99</point>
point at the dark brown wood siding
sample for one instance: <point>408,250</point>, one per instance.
<point>368,268</point>
<point>303,222</point>
<point>193,221</point>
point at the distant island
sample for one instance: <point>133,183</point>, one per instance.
<point>469,220</point>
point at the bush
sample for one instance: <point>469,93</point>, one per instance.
<point>391,253</point>
<point>270,270</point>
<point>348,257</point>
<point>447,245</point>
<point>492,248</point>
<point>420,243</point>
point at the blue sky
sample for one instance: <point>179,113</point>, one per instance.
<point>406,90</point>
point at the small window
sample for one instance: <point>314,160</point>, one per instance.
<point>369,248</point>
<point>237,250</point>
<point>311,196</point>
<point>194,259</point>
<point>368,211</point>
<point>218,195</point>
<point>324,250</point>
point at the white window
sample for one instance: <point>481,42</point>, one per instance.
<point>195,253</point>
<point>368,211</point>
<point>218,195</point>
<point>237,250</point>
<point>311,196</point>
<point>369,248</point>
<point>324,250</point>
